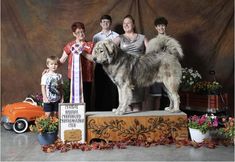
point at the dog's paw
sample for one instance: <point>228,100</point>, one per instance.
<point>128,109</point>
<point>175,110</point>
<point>119,112</point>
<point>168,109</point>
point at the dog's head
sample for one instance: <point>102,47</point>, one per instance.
<point>104,52</point>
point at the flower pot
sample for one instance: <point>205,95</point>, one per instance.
<point>197,136</point>
<point>47,138</point>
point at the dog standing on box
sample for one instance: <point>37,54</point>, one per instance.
<point>159,64</point>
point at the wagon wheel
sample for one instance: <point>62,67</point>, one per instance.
<point>7,126</point>
<point>20,126</point>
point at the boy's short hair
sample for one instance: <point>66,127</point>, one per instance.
<point>77,25</point>
<point>160,20</point>
<point>106,17</point>
<point>52,58</point>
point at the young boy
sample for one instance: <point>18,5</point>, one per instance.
<point>51,87</point>
<point>157,90</point>
<point>106,97</point>
<point>106,32</point>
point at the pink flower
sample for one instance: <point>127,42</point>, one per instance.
<point>224,119</point>
<point>194,118</point>
<point>202,120</point>
<point>231,119</point>
<point>215,122</point>
<point>203,123</point>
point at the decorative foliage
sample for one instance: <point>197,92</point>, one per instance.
<point>45,124</point>
<point>189,78</point>
<point>37,98</point>
<point>203,123</point>
<point>228,129</point>
<point>65,147</point>
<point>209,88</point>
<point>137,130</point>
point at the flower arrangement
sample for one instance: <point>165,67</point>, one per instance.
<point>37,98</point>
<point>228,129</point>
<point>206,87</point>
<point>45,124</point>
<point>203,123</point>
<point>189,78</point>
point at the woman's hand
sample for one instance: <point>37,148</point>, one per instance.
<point>45,71</point>
<point>87,56</point>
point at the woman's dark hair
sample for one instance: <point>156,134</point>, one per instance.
<point>77,25</point>
<point>106,17</point>
<point>160,20</point>
<point>130,17</point>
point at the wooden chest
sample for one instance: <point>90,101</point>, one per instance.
<point>154,125</point>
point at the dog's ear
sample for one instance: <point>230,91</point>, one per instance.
<point>110,47</point>
<point>111,50</point>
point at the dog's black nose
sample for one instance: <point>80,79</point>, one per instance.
<point>94,59</point>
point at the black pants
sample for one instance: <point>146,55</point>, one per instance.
<point>87,94</point>
<point>106,93</point>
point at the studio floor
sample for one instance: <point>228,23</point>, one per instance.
<point>25,147</point>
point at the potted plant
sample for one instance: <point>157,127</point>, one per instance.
<point>47,128</point>
<point>199,126</point>
<point>190,76</point>
<point>205,96</point>
<point>228,128</point>
<point>208,88</point>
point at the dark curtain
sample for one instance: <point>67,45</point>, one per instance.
<point>33,29</point>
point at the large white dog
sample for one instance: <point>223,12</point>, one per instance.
<point>159,64</point>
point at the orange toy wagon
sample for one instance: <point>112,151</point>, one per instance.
<point>17,116</point>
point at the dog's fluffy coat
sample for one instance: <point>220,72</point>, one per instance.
<point>159,64</point>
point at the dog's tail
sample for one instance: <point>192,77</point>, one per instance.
<point>164,43</point>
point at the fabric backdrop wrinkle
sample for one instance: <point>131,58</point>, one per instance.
<point>31,30</point>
